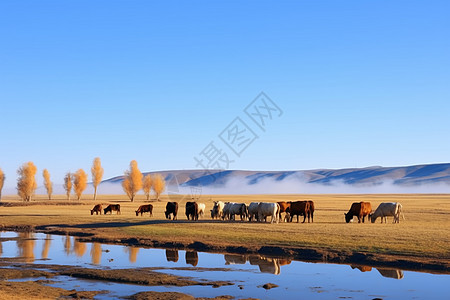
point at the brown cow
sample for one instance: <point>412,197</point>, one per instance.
<point>112,207</point>
<point>171,208</point>
<point>300,208</point>
<point>359,209</point>
<point>192,210</point>
<point>283,207</point>
<point>97,209</point>
<point>145,208</point>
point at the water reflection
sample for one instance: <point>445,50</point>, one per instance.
<point>79,248</point>
<point>96,253</point>
<point>46,247</point>
<point>192,258</point>
<point>172,255</point>
<point>25,245</point>
<point>67,244</point>
<point>362,268</point>
<point>72,247</point>
<point>389,273</point>
<point>132,253</point>
<point>265,264</point>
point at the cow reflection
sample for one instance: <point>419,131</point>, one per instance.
<point>391,273</point>
<point>362,268</point>
<point>46,247</point>
<point>172,255</point>
<point>235,259</point>
<point>268,264</point>
<point>25,243</point>
<point>192,258</point>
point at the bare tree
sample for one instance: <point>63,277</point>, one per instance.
<point>2,181</point>
<point>26,184</point>
<point>47,183</point>
<point>79,182</point>
<point>132,182</point>
<point>147,185</point>
<point>159,185</point>
<point>68,184</point>
<point>97,174</point>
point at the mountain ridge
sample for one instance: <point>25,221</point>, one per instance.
<point>413,175</point>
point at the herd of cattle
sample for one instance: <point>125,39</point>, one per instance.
<point>259,211</point>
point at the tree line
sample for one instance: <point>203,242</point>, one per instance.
<point>133,181</point>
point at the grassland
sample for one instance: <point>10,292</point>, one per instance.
<point>423,238</point>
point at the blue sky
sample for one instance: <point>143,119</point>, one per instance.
<point>360,83</point>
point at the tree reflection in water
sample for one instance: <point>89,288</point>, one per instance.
<point>46,247</point>
<point>96,253</point>
<point>25,245</point>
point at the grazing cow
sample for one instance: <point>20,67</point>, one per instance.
<point>266,209</point>
<point>192,210</point>
<point>172,255</point>
<point>145,208</point>
<point>191,258</point>
<point>299,208</point>
<point>283,207</point>
<point>387,209</point>
<point>237,209</point>
<point>226,210</point>
<point>171,209</point>
<point>217,210</point>
<point>97,209</point>
<point>359,209</point>
<point>253,211</point>
<point>112,207</point>
<point>201,209</point>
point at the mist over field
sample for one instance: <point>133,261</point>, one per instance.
<point>424,179</point>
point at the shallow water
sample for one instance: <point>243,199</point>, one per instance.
<point>294,278</point>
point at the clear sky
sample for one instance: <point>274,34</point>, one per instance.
<point>360,83</point>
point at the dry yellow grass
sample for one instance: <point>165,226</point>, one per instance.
<point>425,233</point>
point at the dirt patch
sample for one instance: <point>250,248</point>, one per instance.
<point>141,276</point>
<point>8,273</point>
<point>268,286</point>
<point>34,290</point>
<point>39,290</point>
<point>171,296</point>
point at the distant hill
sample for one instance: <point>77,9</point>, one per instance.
<point>364,177</point>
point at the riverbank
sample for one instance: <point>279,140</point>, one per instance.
<point>420,243</point>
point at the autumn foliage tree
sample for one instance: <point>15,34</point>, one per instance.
<point>132,182</point>
<point>26,184</point>
<point>147,185</point>
<point>97,174</point>
<point>47,183</point>
<point>2,181</point>
<point>159,185</point>
<point>79,182</point>
<point>68,184</point>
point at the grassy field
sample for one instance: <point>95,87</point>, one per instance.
<point>425,233</point>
